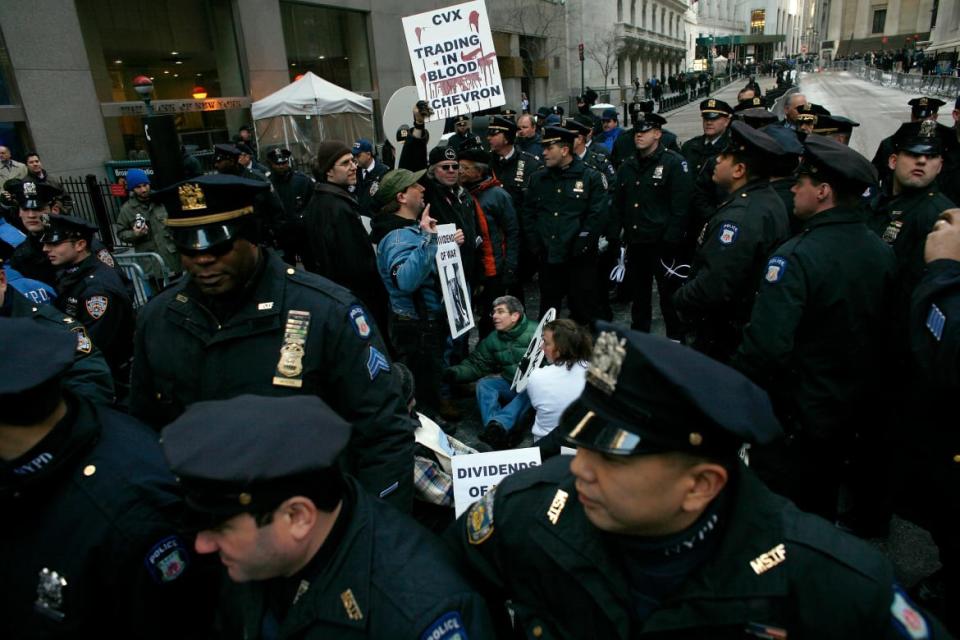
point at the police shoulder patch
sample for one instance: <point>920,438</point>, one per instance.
<point>449,626</point>
<point>358,320</point>
<point>480,518</point>
<point>906,618</point>
<point>96,306</point>
<point>167,560</point>
<point>84,344</point>
<point>376,362</point>
<point>776,267</point>
<point>104,256</point>
<point>728,233</point>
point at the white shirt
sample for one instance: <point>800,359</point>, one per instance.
<point>551,390</point>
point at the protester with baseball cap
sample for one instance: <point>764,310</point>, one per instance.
<point>826,290</point>
<point>244,322</point>
<point>657,527</point>
<point>611,129</point>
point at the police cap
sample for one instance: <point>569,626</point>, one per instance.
<point>644,106</point>
<point>509,114</point>
<point>543,112</point>
<point>925,107</point>
<point>225,151</point>
<point>31,354</point>
<point>557,135</point>
<point>362,145</point>
<point>209,210</point>
<point>649,121</point>
<point>500,124</point>
<point>279,156</point>
<point>813,109</point>
<point>757,117</point>
<point>785,164</point>
<point>832,161</point>
<point>250,453</point>
<point>647,394</point>
<point>711,109</point>
<point>749,103</point>
<point>34,195</point>
<point>834,124</point>
<point>610,114</point>
<point>928,138</point>
<point>61,228</point>
<point>577,127</point>
<point>745,140</point>
<point>463,117</point>
<point>242,146</point>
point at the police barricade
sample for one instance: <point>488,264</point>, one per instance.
<point>136,266</point>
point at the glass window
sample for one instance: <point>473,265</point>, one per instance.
<point>187,47</point>
<point>332,43</point>
<point>8,94</point>
<point>758,21</point>
<point>879,20</point>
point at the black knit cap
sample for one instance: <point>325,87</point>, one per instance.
<point>328,152</point>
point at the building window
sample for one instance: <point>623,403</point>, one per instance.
<point>180,45</point>
<point>332,43</point>
<point>758,21</point>
<point>643,15</point>
<point>619,10</point>
<point>879,20</point>
<point>633,12</point>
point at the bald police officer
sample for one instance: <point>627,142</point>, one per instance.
<point>656,529</point>
<point>243,322</point>
<point>309,553</point>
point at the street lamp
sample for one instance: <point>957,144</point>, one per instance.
<point>143,85</point>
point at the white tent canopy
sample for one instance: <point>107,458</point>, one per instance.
<point>309,111</point>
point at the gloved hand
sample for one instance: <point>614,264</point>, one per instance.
<point>421,111</point>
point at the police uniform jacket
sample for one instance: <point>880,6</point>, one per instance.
<point>30,260</point>
<point>625,147</point>
<point>600,162</point>
<point>88,376</point>
<point>533,146</point>
<point>565,211</point>
<point>385,578</point>
<point>732,249</point>
<point>514,173</point>
<point>95,504</point>
<point>652,197</point>
<point>157,239</point>
<point>294,190</point>
<point>185,354</point>
<point>457,140</point>
<point>776,573</point>
<point>368,182</point>
<point>816,338</point>
<point>698,151</point>
<point>93,294</point>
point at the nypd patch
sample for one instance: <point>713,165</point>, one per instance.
<point>104,256</point>
<point>96,306</point>
<point>776,267</point>
<point>84,344</point>
<point>728,233</point>
<point>376,362</point>
<point>358,320</point>
<point>480,518</point>
<point>449,626</point>
<point>907,620</point>
<point>167,560</point>
<point>936,321</point>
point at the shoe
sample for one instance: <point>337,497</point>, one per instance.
<point>494,435</point>
<point>448,410</point>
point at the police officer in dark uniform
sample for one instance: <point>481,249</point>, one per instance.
<point>565,212</point>
<point>89,291</point>
<point>623,146</point>
<point>91,546</point>
<point>921,109</point>
<point>28,258</point>
<point>656,529</point>
<point>294,189</point>
<point>329,561</point>
<point>369,173</point>
<point>782,170</point>
<point>268,206</point>
<point>590,156</point>
<point>89,375</point>
<point>836,127</point>
<point>651,203</point>
<point>734,244</point>
<point>816,340</point>
<point>243,322</point>
<point>462,134</point>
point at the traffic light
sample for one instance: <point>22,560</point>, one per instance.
<point>580,51</point>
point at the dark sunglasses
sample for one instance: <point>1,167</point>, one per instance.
<point>449,167</point>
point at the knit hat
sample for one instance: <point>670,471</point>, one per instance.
<point>327,154</point>
<point>135,178</point>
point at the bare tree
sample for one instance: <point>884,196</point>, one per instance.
<point>541,23</point>
<point>604,50</point>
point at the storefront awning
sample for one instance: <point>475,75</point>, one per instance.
<point>731,40</point>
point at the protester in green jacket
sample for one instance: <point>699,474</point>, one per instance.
<point>493,363</point>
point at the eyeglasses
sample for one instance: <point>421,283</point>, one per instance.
<point>449,167</point>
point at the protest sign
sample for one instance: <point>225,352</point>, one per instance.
<point>476,473</point>
<point>453,59</point>
<point>456,296</point>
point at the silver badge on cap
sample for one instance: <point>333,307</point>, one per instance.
<point>50,594</point>
<point>928,129</point>
<point>607,359</point>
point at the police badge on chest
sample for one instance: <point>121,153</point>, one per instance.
<point>49,600</point>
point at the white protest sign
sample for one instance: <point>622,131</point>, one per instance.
<point>453,59</point>
<point>476,473</point>
<point>456,296</point>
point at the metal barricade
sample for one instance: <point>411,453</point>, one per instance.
<point>135,267</point>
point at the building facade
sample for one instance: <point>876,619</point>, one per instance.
<point>945,33</point>
<point>858,26</point>
<point>67,66</point>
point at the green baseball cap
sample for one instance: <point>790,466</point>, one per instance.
<point>395,182</point>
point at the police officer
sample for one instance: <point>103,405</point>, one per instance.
<point>734,244</point>
<point>656,529</point>
<point>369,173</point>
<point>91,545</point>
<point>623,146</point>
<point>268,205</point>
<point>651,203</point>
<point>921,109</point>
<point>28,258</point>
<point>462,134</point>
<point>294,189</point>
<point>565,212</point>
<point>89,375</point>
<point>782,170</point>
<point>89,291</point>
<point>243,322</point>
<point>327,560</point>
<point>838,128</point>
<point>816,340</point>
<point>528,138</point>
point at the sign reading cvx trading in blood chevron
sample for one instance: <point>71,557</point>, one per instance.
<point>454,62</point>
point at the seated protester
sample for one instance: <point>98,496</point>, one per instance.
<point>406,238</point>
<point>497,357</point>
<point>142,224</point>
<point>566,348</point>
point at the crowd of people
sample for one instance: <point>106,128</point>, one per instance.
<point>287,398</point>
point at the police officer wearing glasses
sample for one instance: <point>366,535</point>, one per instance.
<point>244,322</point>
<point>657,529</point>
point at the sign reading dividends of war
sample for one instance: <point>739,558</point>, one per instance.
<point>456,296</point>
<point>476,473</point>
<point>453,59</point>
